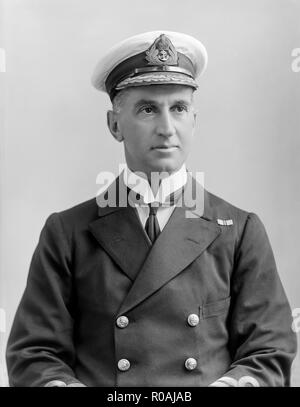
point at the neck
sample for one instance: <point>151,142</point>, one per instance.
<point>155,185</point>
<point>154,178</point>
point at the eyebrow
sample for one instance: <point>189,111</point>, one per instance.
<point>154,102</point>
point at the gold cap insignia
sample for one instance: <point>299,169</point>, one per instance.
<point>162,52</point>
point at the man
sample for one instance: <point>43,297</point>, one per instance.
<point>176,287</point>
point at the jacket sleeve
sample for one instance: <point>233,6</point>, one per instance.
<point>40,346</point>
<point>262,342</point>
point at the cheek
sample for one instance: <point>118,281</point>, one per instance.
<point>136,134</point>
<point>133,141</point>
<point>187,133</point>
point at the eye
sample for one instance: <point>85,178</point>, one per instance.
<point>148,109</point>
<point>180,108</point>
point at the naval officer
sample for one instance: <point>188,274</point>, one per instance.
<point>168,289</point>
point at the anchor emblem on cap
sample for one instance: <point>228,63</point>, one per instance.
<point>162,52</point>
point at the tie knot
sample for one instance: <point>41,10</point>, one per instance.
<point>153,208</point>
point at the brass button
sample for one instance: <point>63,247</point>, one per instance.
<point>193,320</point>
<point>122,321</point>
<point>56,383</point>
<point>123,365</point>
<point>190,364</point>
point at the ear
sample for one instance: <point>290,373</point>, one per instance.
<point>194,113</point>
<point>113,125</point>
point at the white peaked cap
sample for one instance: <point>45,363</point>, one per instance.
<point>126,64</point>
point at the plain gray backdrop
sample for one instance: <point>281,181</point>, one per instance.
<point>54,139</point>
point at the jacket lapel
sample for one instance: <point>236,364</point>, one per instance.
<point>187,234</point>
<point>119,231</point>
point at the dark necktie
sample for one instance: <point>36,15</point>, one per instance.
<point>152,226</point>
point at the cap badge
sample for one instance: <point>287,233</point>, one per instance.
<point>162,52</point>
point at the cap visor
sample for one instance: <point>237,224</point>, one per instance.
<point>157,78</point>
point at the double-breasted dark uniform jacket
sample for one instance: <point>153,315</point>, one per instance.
<point>93,265</point>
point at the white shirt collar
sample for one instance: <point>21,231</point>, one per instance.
<point>167,186</point>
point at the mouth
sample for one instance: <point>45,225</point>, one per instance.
<point>165,148</point>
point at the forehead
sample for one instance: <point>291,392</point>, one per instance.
<point>159,93</point>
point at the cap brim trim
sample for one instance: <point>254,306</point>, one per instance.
<point>157,78</point>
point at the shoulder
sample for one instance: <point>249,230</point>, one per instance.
<point>76,217</point>
<point>84,211</point>
<point>220,208</point>
<point>241,221</point>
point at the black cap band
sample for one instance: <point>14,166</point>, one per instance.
<point>138,65</point>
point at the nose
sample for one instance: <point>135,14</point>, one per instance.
<point>165,125</point>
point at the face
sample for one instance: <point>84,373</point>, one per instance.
<point>156,124</point>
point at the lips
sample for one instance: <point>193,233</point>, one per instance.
<point>164,147</point>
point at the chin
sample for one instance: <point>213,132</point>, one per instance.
<point>166,167</point>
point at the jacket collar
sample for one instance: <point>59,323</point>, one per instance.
<point>187,234</point>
